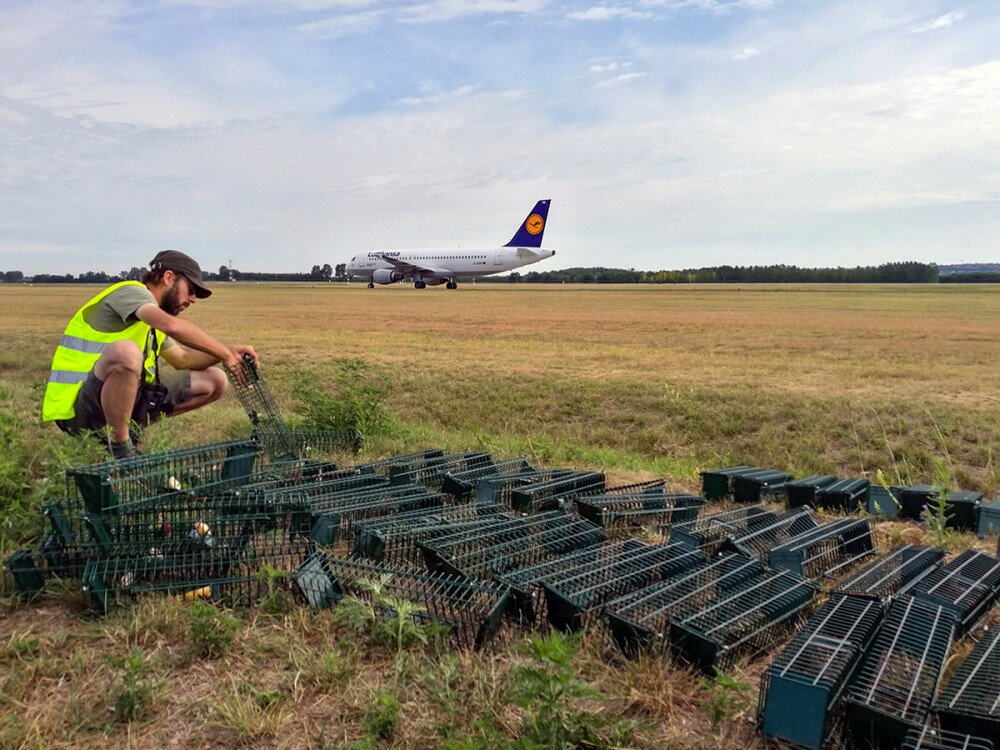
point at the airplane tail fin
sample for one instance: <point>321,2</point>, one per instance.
<point>532,228</point>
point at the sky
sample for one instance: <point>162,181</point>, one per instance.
<point>273,135</point>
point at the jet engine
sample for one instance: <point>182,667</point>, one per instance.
<point>386,276</point>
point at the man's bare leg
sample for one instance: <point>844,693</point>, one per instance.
<point>207,385</point>
<point>120,369</point>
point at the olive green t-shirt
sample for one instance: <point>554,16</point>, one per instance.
<point>116,311</point>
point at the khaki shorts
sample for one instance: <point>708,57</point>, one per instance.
<point>89,415</point>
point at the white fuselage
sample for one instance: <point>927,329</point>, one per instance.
<point>449,263</point>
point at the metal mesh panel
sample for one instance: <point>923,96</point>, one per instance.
<point>639,509</point>
<point>748,620</point>
<point>892,691</point>
<point>471,611</point>
<point>254,395</point>
<point>800,690</point>
<point>927,738</point>
<point>462,484</point>
<point>892,573</point>
<point>971,699</point>
<point>529,540</point>
<point>967,587</point>
<point>825,550</point>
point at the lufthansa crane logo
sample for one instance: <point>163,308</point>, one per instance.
<point>534,224</point>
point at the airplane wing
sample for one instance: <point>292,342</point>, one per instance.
<point>409,269</point>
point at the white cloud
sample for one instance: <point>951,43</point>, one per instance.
<point>746,53</point>
<point>446,10</point>
<point>619,80</point>
<point>941,22</point>
<point>610,67</point>
<point>348,24</point>
<point>607,13</point>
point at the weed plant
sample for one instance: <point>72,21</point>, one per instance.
<point>212,630</point>
<point>358,402</point>
<point>133,690</point>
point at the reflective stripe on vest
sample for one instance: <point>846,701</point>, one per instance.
<point>77,353</point>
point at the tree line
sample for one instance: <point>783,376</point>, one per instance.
<point>909,272</point>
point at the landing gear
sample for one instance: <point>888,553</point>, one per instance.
<point>419,285</point>
<point>371,284</point>
<point>451,285</point>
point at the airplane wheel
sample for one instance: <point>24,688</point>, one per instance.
<point>451,285</point>
<point>371,284</point>
<point>419,285</point>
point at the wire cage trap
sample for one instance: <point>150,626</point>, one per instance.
<point>967,587</point>
<point>826,550</point>
<point>759,486</point>
<point>577,594</point>
<point>801,689</point>
<point>708,532</point>
<point>746,621</point>
<point>472,612</point>
<point>394,539</point>
<point>803,491</point>
<point>544,495</point>
<point>892,691</point>
<point>431,472</point>
<point>639,509</point>
<point>892,573</point>
<point>531,540</point>
<point>255,397</point>
<point>461,485</point>
<point>717,484</point>
<point>757,541</point>
<point>640,620</point>
<point>971,699</point>
<point>846,495</point>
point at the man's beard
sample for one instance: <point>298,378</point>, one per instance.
<point>172,304</point>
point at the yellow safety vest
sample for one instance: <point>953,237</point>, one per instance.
<point>78,352</point>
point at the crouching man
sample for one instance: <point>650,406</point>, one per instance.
<point>105,371</point>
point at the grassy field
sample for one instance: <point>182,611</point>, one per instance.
<point>637,381</point>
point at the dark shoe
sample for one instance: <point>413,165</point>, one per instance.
<point>122,450</point>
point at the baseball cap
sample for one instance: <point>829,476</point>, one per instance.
<point>178,262</point>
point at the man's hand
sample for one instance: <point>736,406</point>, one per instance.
<point>242,349</point>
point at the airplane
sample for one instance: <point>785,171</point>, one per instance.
<point>437,266</point>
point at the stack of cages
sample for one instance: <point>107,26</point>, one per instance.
<point>640,621</point>
<point>928,738</point>
<point>800,692</point>
<point>100,492</point>
<point>639,505</point>
<point>461,485</point>
<point>709,532</point>
<point>470,612</point>
<point>967,587</point>
<point>482,554</point>
<point>971,699</point>
<point>803,492</point>
<point>895,685</point>
<point>826,550</point>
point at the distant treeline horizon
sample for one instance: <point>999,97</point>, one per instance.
<point>908,272</point>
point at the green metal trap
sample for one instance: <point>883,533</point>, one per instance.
<point>803,491</point>
<point>472,612</point>
<point>548,494</point>
<point>639,509</point>
<point>892,573</point>
<point>255,396</point>
<point>758,540</point>
<point>967,587</point>
<point>760,485</point>
<point>971,699</point>
<point>461,485</point>
<point>801,690</point>
<point>717,484</point>
<point>709,532</point>
<point>825,551</point>
<point>928,738</point>
<point>845,495</point>
<point>893,689</point>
